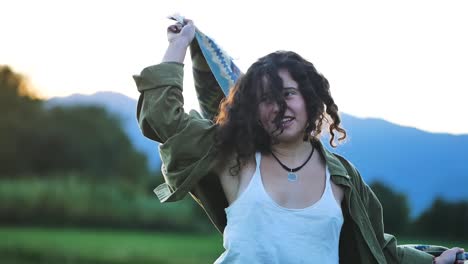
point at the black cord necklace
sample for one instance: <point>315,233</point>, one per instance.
<point>292,176</point>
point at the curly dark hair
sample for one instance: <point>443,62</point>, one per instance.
<point>239,129</point>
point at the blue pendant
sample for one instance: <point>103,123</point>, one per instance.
<point>292,177</point>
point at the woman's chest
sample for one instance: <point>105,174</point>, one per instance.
<point>311,185</point>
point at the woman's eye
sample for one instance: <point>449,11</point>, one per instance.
<point>289,93</point>
<point>266,98</point>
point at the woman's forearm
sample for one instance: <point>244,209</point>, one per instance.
<point>175,52</point>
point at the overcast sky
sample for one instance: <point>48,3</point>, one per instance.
<point>401,60</point>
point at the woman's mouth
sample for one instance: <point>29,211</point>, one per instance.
<point>286,121</point>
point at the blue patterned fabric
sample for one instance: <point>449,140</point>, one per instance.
<point>220,63</point>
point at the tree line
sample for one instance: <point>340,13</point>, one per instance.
<point>443,219</point>
<point>38,141</point>
<point>75,166</point>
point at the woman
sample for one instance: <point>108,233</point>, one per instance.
<point>260,170</point>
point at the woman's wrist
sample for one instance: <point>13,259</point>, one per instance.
<point>436,260</point>
<point>176,51</point>
<point>180,43</point>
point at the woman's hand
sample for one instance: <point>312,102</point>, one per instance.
<point>179,36</point>
<point>180,33</point>
<point>449,256</point>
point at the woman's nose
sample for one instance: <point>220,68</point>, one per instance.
<point>274,107</point>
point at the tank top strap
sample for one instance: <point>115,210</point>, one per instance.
<point>328,196</point>
<point>258,157</point>
<point>256,178</point>
<point>327,177</point>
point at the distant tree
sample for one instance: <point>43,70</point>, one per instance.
<point>395,208</point>
<point>14,87</point>
<point>90,140</point>
<point>35,140</point>
<point>444,220</point>
<point>20,108</point>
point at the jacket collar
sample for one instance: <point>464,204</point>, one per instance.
<point>334,164</point>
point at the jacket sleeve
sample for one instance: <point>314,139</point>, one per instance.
<point>187,139</point>
<point>209,92</point>
<point>160,111</point>
<point>393,252</point>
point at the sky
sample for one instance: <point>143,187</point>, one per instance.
<point>403,61</point>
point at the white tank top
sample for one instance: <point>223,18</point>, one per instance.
<point>259,230</point>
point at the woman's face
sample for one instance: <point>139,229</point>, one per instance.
<point>295,117</point>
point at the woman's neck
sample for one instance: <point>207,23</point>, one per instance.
<point>292,153</point>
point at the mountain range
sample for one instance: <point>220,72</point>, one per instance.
<point>420,164</point>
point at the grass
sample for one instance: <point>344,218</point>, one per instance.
<point>52,245</point>
<point>97,246</point>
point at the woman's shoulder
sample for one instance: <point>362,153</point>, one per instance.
<point>227,163</point>
<point>233,173</point>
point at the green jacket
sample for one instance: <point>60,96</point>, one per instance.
<point>188,157</point>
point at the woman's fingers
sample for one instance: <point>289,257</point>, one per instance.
<point>187,21</point>
<point>450,256</point>
<point>181,31</point>
<point>176,28</point>
<point>172,28</point>
<point>460,256</point>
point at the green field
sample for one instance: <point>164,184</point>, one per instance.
<point>35,245</point>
